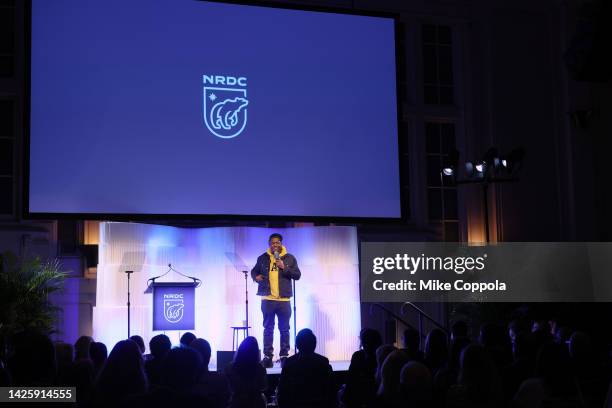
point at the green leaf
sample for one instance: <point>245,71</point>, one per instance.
<point>25,286</point>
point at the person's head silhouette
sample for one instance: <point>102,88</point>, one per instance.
<point>306,341</point>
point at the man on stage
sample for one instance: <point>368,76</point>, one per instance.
<point>273,273</point>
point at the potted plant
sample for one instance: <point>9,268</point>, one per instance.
<point>25,286</point>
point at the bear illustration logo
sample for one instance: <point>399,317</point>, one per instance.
<point>173,310</point>
<point>225,107</point>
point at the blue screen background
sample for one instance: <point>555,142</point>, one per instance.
<point>116,115</point>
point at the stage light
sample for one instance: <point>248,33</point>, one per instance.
<point>469,169</point>
<point>481,170</point>
<point>449,164</point>
<point>475,171</point>
<point>512,162</point>
<point>515,160</point>
<point>491,169</point>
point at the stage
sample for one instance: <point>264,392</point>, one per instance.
<point>327,294</point>
<point>337,366</point>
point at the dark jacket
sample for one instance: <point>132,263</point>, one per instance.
<point>360,389</point>
<point>305,382</point>
<point>247,388</point>
<point>291,271</point>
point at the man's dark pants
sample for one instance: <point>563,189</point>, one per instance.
<point>271,308</point>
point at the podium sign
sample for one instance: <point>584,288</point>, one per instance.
<point>173,306</point>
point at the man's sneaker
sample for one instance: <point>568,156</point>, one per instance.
<point>283,360</point>
<point>267,362</point>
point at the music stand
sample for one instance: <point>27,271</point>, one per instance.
<point>239,265</point>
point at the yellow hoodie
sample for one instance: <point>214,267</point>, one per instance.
<point>273,274</point>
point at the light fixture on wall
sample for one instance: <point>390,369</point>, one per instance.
<point>513,161</point>
<point>449,165</point>
<point>492,168</point>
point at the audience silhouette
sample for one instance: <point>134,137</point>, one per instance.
<point>360,388</point>
<point>436,350</point>
<point>532,364</point>
<point>477,384</point>
<point>416,386</point>
<point>159,346</point>
<point>33,360</point>
<point>187,338</point>
<point>247,377</point>
<point>389,388</point>
<point>211,385</point>
<point>305,379</point>
<point>140,342</point>
<point>99,354</point>
<point>123,375</point>
<point>81,348</point>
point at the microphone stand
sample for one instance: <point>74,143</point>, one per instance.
<point>128,273</point>
<point>294,317</point>
<point>276,256</point>
<point>246,301</point>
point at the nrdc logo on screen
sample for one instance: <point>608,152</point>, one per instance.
<point>225,105</point>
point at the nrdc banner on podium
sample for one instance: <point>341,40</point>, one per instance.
<point>173,306</point>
